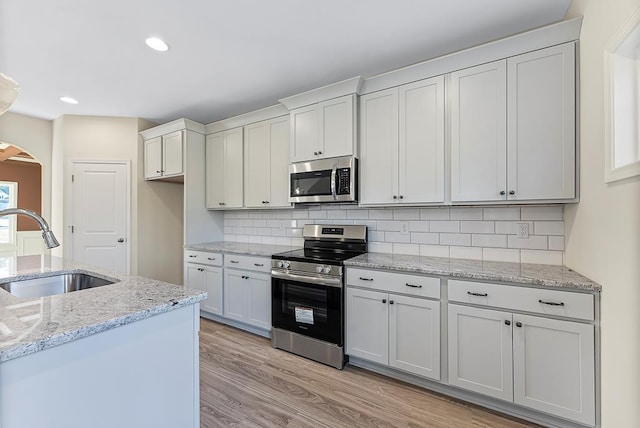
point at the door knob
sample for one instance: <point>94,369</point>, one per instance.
<point>120,239</point>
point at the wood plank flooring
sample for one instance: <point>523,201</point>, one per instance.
<point>244,382</point>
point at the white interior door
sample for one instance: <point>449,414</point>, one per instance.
<point>100,213</point>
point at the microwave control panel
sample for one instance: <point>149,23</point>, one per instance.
<point>344,181</point>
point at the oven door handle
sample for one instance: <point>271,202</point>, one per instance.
<point>331,282</point>
<point>334,192</point>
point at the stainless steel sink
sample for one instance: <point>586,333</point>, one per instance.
<point>55,284</point>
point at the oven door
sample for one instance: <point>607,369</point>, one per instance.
<point>313,310</point>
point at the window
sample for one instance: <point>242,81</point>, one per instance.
<point>622,92</point>
<point>8,199</point>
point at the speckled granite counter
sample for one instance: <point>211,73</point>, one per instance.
<point>515,273</point>
<point>241,248</point>
<point>32,324</point>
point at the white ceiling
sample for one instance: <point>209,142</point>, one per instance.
<point>229,57</point>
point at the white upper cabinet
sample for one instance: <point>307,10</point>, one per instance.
<point>541,124</point>
<point>224,172</point>
<point>402,144</point>
<point>478,133</point>
<point>267,164</point>
<point>323,130</point>
<point>513,128</point>
<point>163,156</point>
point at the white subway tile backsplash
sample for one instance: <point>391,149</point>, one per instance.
<point>531,243</point>
<point>502,213</point>
<point>556,243</point>
<point>434,250</point>
<point>477,227</point>
<point>472,253</point>
<point>501,255</point>
<point>425,238</point>
<point>418,226</point>
<point>459,239</point>
<point>481,233</point>
<point>411,249</point>
<point>444,226</point>
<point>541,213</point>
<point>406,214</point>
<point>380,247</point>
<point>549,228</point>
<point>389,226</point>
<point>541,257</point>
<point>397,237</point>
<point>494,241</point>
<point>465,214</point>
<point>381,214</point>
<point>434,214</point>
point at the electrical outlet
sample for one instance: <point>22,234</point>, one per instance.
<point>522,231</point>
<point>404,227</point>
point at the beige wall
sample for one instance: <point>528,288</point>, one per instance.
<point>154,252</point>
<point>35,137</point>
<point>603,230</point>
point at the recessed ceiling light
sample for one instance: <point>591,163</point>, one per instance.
<point>157,44</point>
<point>68,100</point>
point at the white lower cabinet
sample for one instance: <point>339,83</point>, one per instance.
<point>541,363</point>
<point>247,294</point>
<point>203,271</point>
<point>395,330</point>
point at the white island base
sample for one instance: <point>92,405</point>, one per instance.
<point>142,374</point>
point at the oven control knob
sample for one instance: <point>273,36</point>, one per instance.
<point>326,269</point>
<point>319,269</point>
<point>280,264</point>
<point>286,265</point>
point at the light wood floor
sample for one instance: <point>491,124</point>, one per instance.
<point>244,382</point>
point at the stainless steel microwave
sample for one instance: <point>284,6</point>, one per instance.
<point>324,180</point>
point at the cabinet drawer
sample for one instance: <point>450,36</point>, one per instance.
<point>260,264</point>
<point>538,300</point>
<point>414,285</point>
<point>203,257</point>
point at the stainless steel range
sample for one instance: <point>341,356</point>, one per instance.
<point>307,292</point>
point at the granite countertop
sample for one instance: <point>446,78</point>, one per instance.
<point>515,273</point>
<point>241,248</point>
<point>29,325</point>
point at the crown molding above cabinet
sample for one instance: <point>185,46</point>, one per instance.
<point>328,92</point>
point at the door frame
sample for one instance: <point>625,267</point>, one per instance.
<point>67,238</point>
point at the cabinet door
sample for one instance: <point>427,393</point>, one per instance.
<point>257,166</point>
<point>279,171</point>
<point>215,170</point>
<point>414,335</point>
<point>213,285</point>
<point>367,334</point>
<point>233,171</point>
<point>336,127</point>
<point>172,154</point>
<point>542,123</point>
<point>421,156</point>
<point>478,133</point>
<point>195,277</point>
<point>304,133</point>
<point>553,367</point>
<point>480,357</point>
<point>153,158</point>
<point>379,147</point>
<point>237,286</point>
<point>260,300</point>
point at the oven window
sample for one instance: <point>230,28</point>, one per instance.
<point>311,183</point>
<point>308,309</point>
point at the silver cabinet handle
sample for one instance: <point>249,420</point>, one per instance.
<point>191,255</point>
<point>477,294</point>
<point>512,192</point>
<point>258,264</point>
<point>413,286</point>
<point>208,258</point>
<point>233,261</point>
<point>502,193</point>
<point>201,269</point>
<point>366,279</point>
<point>551,303</point>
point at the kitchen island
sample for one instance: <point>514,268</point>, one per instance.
<point>124,354</point>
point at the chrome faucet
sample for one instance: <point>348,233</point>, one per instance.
<point>49,238</point>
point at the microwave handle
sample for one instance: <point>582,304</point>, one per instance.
<point>334,176</point>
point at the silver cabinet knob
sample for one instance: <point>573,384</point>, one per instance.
<point>120,239</point>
